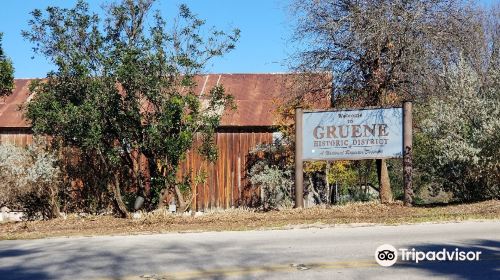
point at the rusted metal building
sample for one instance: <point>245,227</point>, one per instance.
<point>241,130</point>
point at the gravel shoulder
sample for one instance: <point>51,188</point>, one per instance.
<point>356,214</point>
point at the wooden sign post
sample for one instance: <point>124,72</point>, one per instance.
<point>407,153</point>
<point>299,164</point>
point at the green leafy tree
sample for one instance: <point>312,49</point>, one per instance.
<point>6,72</point>
<point>123,91</point>
<point>457,145</point>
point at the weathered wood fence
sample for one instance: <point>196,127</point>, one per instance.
<point>226,183</point>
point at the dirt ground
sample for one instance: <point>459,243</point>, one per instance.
<point>247,219</point>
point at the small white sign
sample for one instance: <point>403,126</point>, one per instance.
<point>172,208</point>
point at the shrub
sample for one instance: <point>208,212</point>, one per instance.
<point>457,148</point>
<point>29,179</point>
<point>268,168</point>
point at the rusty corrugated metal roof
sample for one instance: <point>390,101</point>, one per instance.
<point>254,95</point>
<point>10,114</point>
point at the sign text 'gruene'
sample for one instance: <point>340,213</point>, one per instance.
<point>353,134</point>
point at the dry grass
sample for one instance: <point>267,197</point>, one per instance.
<point>247,219</point>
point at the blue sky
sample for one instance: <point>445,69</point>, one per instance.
<point>263,46</point>
<point>261,49</point>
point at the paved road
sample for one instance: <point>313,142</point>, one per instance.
<point>328,253</point>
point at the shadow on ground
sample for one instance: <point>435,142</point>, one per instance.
<point>89,258</point>
<point>57,260</point>
<point>16,271</point>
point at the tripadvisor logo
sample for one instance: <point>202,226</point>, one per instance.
<point>387,255</point>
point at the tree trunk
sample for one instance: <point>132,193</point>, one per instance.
<point>114,188</point>
<point>328,187</point>
<point>54,206</point>
<point>315,193</point>
<point>119,204</point>
<point>407,173</point>
<point>163,197</point>
<point>183,204</point>
<point>384,181</point>
<point>54,211</point>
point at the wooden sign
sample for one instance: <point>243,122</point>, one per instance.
<point>353,135</point>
